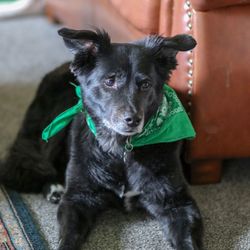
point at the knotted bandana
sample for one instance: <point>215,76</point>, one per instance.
<point>170,123</point>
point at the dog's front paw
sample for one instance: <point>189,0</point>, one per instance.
<point>53,192</point>
<point>69,244</point>
<point>62,245</point>
<point>185,246</point>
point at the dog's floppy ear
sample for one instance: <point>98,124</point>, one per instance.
<point>164,50</point>
<point>85,41</point>
<point>86,45</point>
<point>172,45</point>
<point>181,42</point>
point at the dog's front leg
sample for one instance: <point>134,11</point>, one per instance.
<point>164,195</point>
<point>76,214</point>
<point>180,220</point>
<point>178,215</point>
<point>75,221</point>
<point>79,206</point>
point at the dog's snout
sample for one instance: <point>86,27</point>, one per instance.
<point>132,120</point>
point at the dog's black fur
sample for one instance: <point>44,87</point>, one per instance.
<point>121,88</point>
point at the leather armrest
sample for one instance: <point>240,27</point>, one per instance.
<point>206,5</point>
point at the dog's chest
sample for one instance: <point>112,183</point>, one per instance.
<point>119,172</point>
<point>112,174</point>
<point>110,170</point>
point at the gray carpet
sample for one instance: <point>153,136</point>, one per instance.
<point>29,48</point>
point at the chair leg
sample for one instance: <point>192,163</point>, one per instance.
<point>204,172</point>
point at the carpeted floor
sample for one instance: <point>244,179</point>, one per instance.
<point>225,207</point>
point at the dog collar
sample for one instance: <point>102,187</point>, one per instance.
<point>170,123</point>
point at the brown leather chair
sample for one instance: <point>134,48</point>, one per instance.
<point>213,80</point>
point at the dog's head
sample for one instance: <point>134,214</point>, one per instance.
<point>122,83</point>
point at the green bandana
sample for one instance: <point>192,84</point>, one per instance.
<point>170,123</point>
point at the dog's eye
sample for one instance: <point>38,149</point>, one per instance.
<point>110,81</point>
<point>145,85</point>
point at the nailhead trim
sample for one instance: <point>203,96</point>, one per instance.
<point>189,25</point>
<point>188,4</point>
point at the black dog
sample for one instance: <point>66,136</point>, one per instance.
<point>122,87</point>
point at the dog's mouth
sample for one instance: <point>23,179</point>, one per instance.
<point>124,131</point>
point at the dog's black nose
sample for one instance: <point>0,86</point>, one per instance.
<point>132,120</point>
